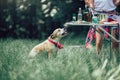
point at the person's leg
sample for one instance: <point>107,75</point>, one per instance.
<point>99,41</point>
<point>89,38</point>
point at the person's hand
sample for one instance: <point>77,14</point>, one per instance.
<point>87,2</point>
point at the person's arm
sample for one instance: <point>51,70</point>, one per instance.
<point>89,3</point>
<point>116,2</point>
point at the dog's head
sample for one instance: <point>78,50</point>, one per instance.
<point>58,33</point>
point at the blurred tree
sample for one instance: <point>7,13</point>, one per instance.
<point>3,15</point>
<point>118,9</point>
<point>35,18</point>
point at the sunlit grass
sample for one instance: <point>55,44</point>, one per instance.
<point>71,63</point>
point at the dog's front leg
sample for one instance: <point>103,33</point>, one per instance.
<point>49,54</point>
<point>32,54</point>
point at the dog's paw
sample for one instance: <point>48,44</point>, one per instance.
<point>32,54</point>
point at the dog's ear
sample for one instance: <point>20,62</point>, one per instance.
<point>52,36</point>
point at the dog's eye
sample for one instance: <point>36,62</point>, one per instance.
<point>59,30</point>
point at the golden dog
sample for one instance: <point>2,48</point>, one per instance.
<point>51,44</point>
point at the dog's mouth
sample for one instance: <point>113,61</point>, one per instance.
<point>64,33</point>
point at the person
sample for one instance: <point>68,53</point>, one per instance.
<point>106,7</point>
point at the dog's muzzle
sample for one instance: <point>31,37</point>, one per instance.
<point>65,31</point>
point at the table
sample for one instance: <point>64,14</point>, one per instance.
<point>94,25</point>
<point>75,23</point>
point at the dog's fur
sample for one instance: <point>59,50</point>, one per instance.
<point>47,45</point>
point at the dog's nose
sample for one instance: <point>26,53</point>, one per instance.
<point>65,29</point>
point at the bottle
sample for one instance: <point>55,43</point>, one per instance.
<point>74,17</point>
<point>94,19</point>
<point>79,17</point>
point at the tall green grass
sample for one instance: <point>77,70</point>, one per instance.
<point>71,63</point>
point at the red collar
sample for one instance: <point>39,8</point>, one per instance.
<point>57,44</point>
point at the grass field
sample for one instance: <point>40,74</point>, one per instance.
<point>71,63</point>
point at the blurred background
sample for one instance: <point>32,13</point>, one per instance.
<point>36,18</point>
